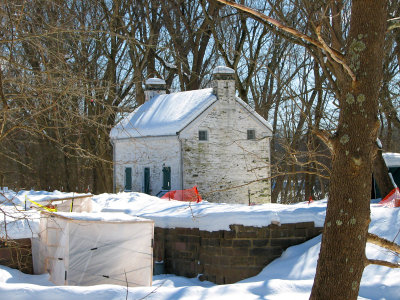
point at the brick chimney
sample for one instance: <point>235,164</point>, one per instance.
<point>224,83</point>
<point>154,87</point>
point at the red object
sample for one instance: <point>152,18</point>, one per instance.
<point>392,199</point>
<point>310,200</point>
<point>189,195</point>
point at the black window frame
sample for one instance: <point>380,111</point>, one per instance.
<point>203,135</point>
<point>251,134</point>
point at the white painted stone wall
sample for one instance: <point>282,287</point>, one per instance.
<point>151,152</point>
<point>228,167</point>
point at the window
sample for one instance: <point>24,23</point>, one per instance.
<point>166,178</point>
<point>146,186</point>
<point>251,134</point>
<point>203,135</point>
<point>128,179</point>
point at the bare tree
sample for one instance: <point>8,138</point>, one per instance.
<point>355,66</point>
<point>64,85</point>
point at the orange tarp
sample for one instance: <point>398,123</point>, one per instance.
<point>189,195</point>
<point>392,199</point>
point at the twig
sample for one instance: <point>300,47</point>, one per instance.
<point>153,291</point>
<point>127,285</point>
<point>396,236</point>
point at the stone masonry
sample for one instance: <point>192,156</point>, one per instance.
<point>226,256</point>
<point>17,254</point>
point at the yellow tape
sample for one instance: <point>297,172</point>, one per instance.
<point>42,206</point>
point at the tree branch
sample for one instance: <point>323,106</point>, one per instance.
<point>333,54</point>
<point>393,23</point>
<point>325,137</point>
<point>278,24</point>
<point>383,263</point>
<point>381,242</point>
<point>3,98</point>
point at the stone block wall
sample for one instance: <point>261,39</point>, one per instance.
<point>233,178</point>
<point>17,254</point>
<point>226,256</point>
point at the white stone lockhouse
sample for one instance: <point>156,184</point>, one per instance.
<point>208,137</point>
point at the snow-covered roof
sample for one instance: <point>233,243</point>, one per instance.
<point>101,216</point>
<point>392,160</point>
<point>164,114</point>
<point>223,70</point>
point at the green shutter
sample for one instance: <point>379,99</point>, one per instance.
<point>147,181</point>
<point>128,179</point>
<point>166,178</point>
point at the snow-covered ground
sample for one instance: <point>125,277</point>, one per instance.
<point>289,277</point>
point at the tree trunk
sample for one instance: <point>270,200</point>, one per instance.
<point>342,256</point>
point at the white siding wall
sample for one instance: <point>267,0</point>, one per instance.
<point>151,152</point>
<point>228,167</point>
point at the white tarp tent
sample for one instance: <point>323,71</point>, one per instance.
<point>94,248</point>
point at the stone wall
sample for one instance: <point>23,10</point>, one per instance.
<point>17,254</point>
<point>226,256</point>
<point>228,168</point>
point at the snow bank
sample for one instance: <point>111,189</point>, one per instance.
<point>15,223</point>
<point>170,214</point>
<point>209,216</point>
<point>18,198</point>
<point>288,277</point>
<point>392,160</point>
